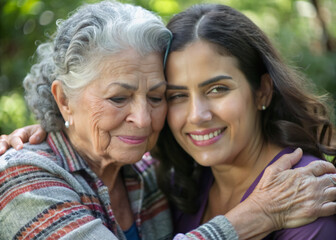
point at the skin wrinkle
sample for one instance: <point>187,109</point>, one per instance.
<point>95,113</point>
<point>286,201</point>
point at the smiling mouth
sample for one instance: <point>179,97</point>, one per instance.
<point>206,137</point>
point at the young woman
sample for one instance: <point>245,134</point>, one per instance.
<point>234,108</point>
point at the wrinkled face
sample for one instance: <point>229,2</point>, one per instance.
<point>119,115</point>
<point>211,108</point>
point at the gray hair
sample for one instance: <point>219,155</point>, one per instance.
<point>91,33</point>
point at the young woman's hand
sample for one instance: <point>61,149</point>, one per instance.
<point>33,134</point>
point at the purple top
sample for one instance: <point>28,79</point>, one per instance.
<point>322,228</point>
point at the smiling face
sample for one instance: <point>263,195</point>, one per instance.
<point>212,112</point>
<point>118,116</point>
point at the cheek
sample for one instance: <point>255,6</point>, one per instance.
<point>177,118</point>
<point>107,117</point>
<point>158,117</point>
<point>238,112</point>
<point>172,117</point>
<point>230,111</point>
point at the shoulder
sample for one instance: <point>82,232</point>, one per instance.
<point>34,166</point>
<point>322,228</point>
<point>30,154</point>
<point>36,191</point>
<point>305,160</point>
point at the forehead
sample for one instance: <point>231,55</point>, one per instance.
<point>128,65</point>
<point>199,60</point>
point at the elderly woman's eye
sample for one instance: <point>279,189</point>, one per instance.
<point>155,99</point>
<point>118,99</point>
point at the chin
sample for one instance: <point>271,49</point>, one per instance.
<point>132,158</point>
<point>204,162</point>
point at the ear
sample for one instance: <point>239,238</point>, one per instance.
<point>61,100</point>
<point>265,92</point>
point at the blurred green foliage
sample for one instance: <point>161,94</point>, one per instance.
<point>293,26</point>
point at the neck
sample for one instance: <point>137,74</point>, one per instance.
<point>245,167</point>
<point>108,171</point>
<point>232,180</point>
<point>103,166</point>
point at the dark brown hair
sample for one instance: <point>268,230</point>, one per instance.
<point>295,117</point>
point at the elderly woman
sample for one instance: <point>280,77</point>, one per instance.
<point>99,91</point>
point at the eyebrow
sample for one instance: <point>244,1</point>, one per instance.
<point>202,84</point>
<point>213,80</point>
<point>174,87</point>
<point>125,85</point>
<point>158,85</point>
<point>130,87</point>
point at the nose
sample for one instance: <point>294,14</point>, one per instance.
<point>199,111</point>
<point>140,113</point>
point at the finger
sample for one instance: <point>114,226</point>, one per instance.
<point>16,142</point>
<point>287,161</point>
<point>37,136</point>
<point>330,194</point>
<point>318,168</point>
<point>3,145</point>
<point>327,209</point>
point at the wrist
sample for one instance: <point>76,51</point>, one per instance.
<point>250,220</point>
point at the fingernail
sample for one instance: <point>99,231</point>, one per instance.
<point>37,138</point>
<point>18,147</point>
<point>298,150</point>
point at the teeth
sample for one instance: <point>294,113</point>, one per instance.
<point>206,136</point>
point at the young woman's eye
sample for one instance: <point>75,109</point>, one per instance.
<point>176,97</point>
<point>218,89</point>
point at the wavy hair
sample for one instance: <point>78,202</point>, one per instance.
<point>92,32</point>
<point>295,117</point>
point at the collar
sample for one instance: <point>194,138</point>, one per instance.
<point>66,154</point>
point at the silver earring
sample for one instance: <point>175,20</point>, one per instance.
<point>263,107</point>
<point>67,124</point>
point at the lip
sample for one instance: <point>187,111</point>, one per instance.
<point>205,132</point>
<point>132,139</point>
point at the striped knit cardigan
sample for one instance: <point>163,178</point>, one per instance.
<point>47,191</point>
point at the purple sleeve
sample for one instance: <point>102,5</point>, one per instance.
<point>321,229</point>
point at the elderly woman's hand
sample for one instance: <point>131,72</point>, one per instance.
<point>286,198</point>
<point>297,197</point>
<point>33,134</point>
